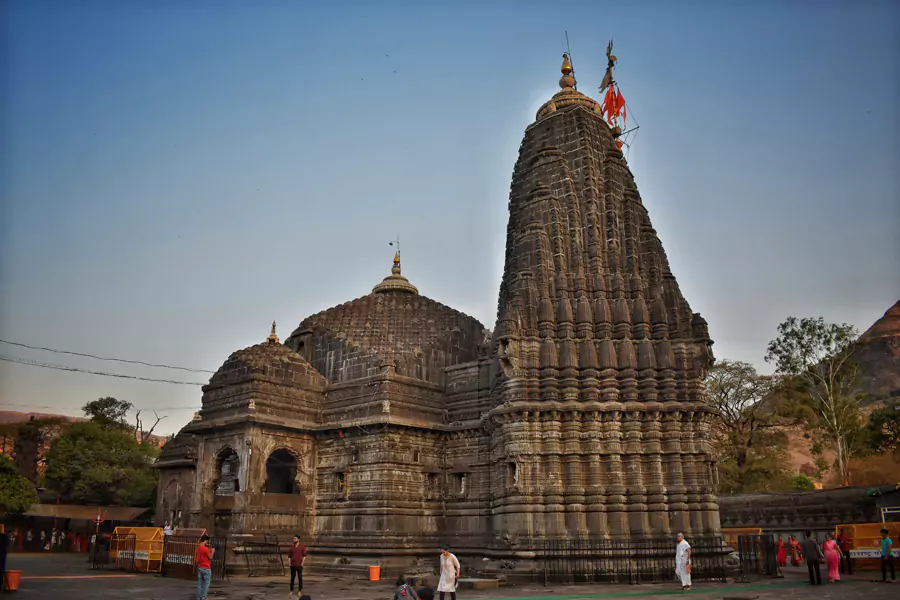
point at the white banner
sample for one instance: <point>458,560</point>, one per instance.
<point>871,553</point>
<point>129,554</point>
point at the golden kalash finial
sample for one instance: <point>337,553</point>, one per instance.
<point>273,337</point>
<point>567,80</point>
<point>395,282</point>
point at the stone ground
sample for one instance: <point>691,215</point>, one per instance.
<point>48,576</point>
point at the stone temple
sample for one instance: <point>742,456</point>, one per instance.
<point>392,423</point>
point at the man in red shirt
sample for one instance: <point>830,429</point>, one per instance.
<point>845,541</point>
<point>297,554</point>
<point>204,568</point>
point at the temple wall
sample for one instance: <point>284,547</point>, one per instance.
<point>251,509</point>
<point>468,390</point>
<point>173,499</point>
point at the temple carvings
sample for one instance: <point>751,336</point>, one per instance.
<point>392,423</point>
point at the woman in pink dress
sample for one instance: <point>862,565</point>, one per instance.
<point>832,558</point>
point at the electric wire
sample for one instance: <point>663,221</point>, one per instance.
<point>121,360</point>
<point>35,363</point>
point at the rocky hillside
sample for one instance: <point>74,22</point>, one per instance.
<point>878,355</point>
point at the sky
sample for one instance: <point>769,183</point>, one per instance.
<point>176,175</point>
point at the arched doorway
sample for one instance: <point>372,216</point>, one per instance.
<point>281,473</point>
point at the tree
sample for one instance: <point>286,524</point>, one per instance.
<point>108,412</point>
<point>802,483</point>
<point>750,447</point>
<point>882,431</point>
<point>93,464</point>
<point>30,440</point>
<point>819,356</point>
<point>144,435</point>
<point>17,493</point>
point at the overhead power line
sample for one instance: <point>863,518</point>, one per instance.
<point>121,360</point>
<point>34,363</point>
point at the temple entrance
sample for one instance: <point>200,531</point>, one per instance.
<point>281,473</point>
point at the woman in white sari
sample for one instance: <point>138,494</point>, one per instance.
<point>683,562</point>
<point>449,573</point>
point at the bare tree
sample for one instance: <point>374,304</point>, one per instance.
<point>820,356</point>
<point>139,431</point>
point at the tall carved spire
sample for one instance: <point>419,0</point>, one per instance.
<point>582,264</point>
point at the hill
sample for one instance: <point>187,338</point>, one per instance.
<point>878,354</point>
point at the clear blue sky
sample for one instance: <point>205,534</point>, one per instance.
<point>175,175</point>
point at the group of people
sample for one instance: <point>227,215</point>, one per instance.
<point>55,540</point>
<point>834,552</point>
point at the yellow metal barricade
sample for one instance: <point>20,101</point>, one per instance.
<point>148,547</point>
<point>731,534</point>
<point>866,546</point>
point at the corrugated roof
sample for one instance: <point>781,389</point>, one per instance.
<point>75,511</point>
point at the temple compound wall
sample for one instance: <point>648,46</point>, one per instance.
<point>387,425</point>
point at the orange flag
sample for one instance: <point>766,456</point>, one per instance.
<point>620,102</point>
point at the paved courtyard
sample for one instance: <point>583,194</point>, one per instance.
<point>68,576</point>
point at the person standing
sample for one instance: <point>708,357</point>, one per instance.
<point>297,556</point>
<point>449,573</point>
<point>204,566</point>
<point>683,562</point>
<point>845,543</point>
<point>813,554</point>
<point>781,557</point>
<point>887,558</point>
<point>167,530</point>
<point>832,558</point>
<point>795,551</point>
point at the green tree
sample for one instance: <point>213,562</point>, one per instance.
<point>750,447</point>
<point>108,411</point>
<point>802,483</point>
<point>818,355</point>
<point>95,464</point>
<point>882,431</point>
<point>17,493</point>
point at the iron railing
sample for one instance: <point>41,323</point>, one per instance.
<point>263,557</point>
<point>649,560</point>
<point>113,552</point>
<point>179,557</point>
<point>758,555</point>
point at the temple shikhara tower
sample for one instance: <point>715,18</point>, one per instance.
<point>389,424</point>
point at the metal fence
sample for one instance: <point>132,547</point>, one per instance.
<point>179,557</point>
<point>113,552</point>
<point>627,561</point>
<point>758,555</point>
<point>264,557</point>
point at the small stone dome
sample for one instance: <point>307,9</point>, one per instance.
<point>270,359</point>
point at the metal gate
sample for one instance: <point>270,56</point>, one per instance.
<point>650,560</point>
<point>113,552</point>
<point>758,555</point>
<point>179,557</point>
<point>265,557</point>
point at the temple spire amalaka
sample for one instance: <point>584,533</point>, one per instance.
<point>273,337</point>
<point>395,282</point>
